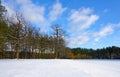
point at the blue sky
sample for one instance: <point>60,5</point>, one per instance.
<point>88,23</point>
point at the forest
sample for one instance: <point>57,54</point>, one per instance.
<point>19,39</point>
<point>112,52</point>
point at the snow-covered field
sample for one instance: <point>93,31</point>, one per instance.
<point>59,68</point>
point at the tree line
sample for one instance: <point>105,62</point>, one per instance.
<point>103,53</point>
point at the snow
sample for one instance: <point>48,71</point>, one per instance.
<point>59,68</point>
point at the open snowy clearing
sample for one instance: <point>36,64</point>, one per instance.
<point>59,68</point>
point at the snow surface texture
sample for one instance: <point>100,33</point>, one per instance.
<point>59,68</point>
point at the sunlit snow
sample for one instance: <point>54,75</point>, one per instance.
<point>59,68</point>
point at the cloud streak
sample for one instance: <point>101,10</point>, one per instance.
<point>82,18</point>
<point>79,21</point>
<point>105,31</point>
<point>36,14</point>
<point>77,41</point>
<point>57,10</point>
<point>32,12</point>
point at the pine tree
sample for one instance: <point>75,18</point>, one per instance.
<point>3,28</point>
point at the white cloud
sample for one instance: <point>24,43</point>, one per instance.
<point>35,14</point>
<point>32,12</point>
<point>107,30</point>
<point>78,40</point>
<point>56,11</point>
<point>10,11</point>
<point>9,5</point>
<point>82,19</point>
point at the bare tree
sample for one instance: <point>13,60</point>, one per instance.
<point>58,40</point>
<point>17,33</point>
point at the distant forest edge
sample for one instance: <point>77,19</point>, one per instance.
<point>18,39</point>
<point>75,53</point>
<point>103,53</point>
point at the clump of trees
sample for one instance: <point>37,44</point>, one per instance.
<point>104,53</point>
<point>18,39</point>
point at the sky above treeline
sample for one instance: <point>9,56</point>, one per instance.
<point>88,23</point>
